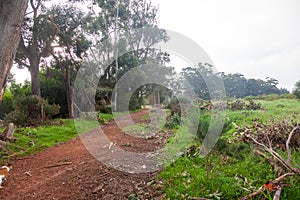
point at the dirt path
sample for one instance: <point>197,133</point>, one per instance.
<point>82,176</point>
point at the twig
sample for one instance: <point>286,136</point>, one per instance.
<point>280,178</point>
<point>58,164</point>
<point>288,143</point>
<point>277,194</point>
<point>98,188</point>
<point>261,189</point>
<point>277,156</point>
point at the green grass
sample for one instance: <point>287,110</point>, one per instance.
<point>226,177</point>
<point>138,127</point>
<point>276,110</point>
<point>108,116</point>
<point>234,171</point>
<point>32,140</point>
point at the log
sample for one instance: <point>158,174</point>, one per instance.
<point>11,130</point>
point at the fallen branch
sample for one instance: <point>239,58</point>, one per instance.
<point>277,168</point>
<point>288,143</point>
<point>58,164</point>
<point>277,194</point>
<point>277,156</point>
<point>261,189</point>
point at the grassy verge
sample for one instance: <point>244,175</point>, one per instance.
<point>32,140</point>
<point>231,171</point>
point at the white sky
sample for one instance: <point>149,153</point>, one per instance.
<point>257,38</point>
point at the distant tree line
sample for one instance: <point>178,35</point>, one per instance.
<point>235,85</point>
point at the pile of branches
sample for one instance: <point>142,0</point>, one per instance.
<point>268,141</point>
<point>242,105</point>
<point>273,134</point>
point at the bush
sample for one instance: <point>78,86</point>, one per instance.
<point>174,104</point>
<point>31,110</point>
<point>173,121</point>
<point>7,104</point>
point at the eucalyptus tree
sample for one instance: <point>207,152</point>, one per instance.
<point>11,16</point>
<point>120,27</point>
<point>296,90</point>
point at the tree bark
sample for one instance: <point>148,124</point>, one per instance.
<point>11,16</point>
<point>35,75</point>
<point>69,92</point>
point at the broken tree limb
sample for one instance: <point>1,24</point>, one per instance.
<point>277,194</point>
<point>277,156</point>
<point>58,164</point>
<point>261,189</point>
<point>277,168</point>
<point>288,143</point>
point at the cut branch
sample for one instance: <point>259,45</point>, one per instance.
<point>58,164</point>
<point>288,143</point>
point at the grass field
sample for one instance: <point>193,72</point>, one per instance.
<point>232,171</point>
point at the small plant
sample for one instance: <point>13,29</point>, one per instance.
<point>173,121</point>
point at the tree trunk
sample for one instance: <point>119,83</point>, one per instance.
<point>11,16</point>
<point>69,93</point>
<point>35,74</point>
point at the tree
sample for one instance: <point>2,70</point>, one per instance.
<point>11,16</point>
<point>296,90</point>
<point>72,43</point>
<point>119,26</point>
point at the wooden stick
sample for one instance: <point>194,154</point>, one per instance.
<point>58,164</point>
<point>261,189</point>
<point>98,188</point>
<point>277,194</point>
<point>288,143</point>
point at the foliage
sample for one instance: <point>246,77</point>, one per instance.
<point>53,89</point>
<point>236,85</point>
<point>31,110</point>
<point>6,105</point>
<point>173,121</point>
<point>296,90</point>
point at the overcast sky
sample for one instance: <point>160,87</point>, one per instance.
<point>258,38</point>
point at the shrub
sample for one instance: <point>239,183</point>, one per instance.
<point>173,121</point>
<point>7,104</point>
<point>31,110</point>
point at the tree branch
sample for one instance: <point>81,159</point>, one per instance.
<point>288,143</point>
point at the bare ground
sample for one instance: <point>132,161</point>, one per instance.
<point>42,175</point>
